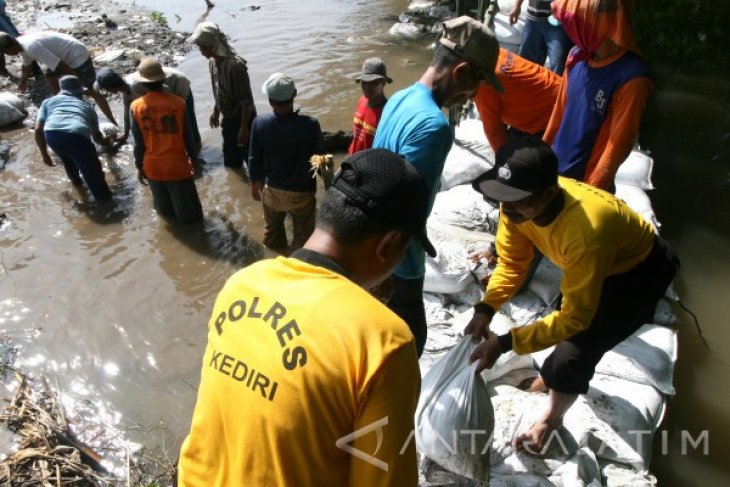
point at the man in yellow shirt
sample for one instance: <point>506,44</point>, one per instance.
<point>307,379</point>
<point>615,269</point>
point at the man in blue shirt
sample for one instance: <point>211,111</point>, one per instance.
<point>66,124</point>
<point>414,126</point>
<point>282,142</point>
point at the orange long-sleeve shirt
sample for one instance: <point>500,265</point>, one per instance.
<point>530,91</point>
<point>619,130</point>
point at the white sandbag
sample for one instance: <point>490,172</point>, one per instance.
<point>109,56</point>
<point>638,201</point>
<point>463,165</point>
<point>636,171</point>
<point>12,109</point>
<point>448,272</point>
<point>508,35</point>
<point>545,282</point>
<point>647,357</point>
<point>454,417</point>
<point>463,207</point>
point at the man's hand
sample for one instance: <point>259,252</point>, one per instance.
<point>243,136</point>
<point>478,327</point>
<point>215,119</point>
<point>486,353</point>
<point>257,188</point>
<point>514,15</point>
<point>141,176</point>
<point>47,160</point>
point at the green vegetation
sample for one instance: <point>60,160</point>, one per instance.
<point>687,34</point>
<point>158,17</point>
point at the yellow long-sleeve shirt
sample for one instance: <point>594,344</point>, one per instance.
<point>298,358</point>
<point>594,236</point>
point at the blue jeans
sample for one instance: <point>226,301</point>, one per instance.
<point>541,40</point>
<point>77,153</point>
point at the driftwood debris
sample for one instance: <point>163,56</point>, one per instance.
<point>48,453</point>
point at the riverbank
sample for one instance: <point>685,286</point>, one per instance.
<point>117,36</point>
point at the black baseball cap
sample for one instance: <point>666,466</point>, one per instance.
<point>523,167</point>
<point>382,184</point>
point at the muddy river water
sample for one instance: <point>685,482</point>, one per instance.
<point>115,306</point>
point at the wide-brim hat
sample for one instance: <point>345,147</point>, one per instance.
<point>150,71</point>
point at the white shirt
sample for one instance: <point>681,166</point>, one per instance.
<point>50,48</point>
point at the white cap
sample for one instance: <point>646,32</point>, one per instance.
<point>279,87</point>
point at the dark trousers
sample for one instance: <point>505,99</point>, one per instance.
<point>407,302</point>
<point>177,199</point>
<point>627,302</point>
<point>79,158</point>
<point>234,154</point>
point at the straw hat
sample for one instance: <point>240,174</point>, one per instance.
<point>150,71</point>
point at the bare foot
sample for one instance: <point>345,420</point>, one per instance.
<point>537,385</point>
<point>537,440</point>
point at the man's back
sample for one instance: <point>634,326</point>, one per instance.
<point>160,119</point>
<point>299,357</point>
<point>530,93</point>
<point>48,47</point>
<point>69,114</point>
<point>281,146</point>
<point>413,126</point>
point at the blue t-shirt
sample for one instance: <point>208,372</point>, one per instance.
<point>68,114</point>
<point>414,126</point>
<point>280,148</point>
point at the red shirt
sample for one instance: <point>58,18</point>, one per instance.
<point>364,124</point>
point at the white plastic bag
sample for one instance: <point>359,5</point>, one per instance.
<point>454,417</point>
<point>12,108</point>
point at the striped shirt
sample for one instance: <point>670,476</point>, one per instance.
<point>231,86</point>
<point>538,10</point>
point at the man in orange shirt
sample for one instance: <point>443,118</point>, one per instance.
<point>525,106</point>
<point>605,90</point>
<point>163,142</point>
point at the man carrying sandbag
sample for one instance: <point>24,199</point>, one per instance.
<point>615,269</point>
<point>308,379</point>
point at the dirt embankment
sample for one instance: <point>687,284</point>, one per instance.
<point>117,36</point>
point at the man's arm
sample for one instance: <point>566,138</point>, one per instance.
<point>489,106</point>
<point>514,15</point>
<point>40,140</point>
<point>190,145</point>
<point>391,397</point>
<point>625,113</point>
<point>25,73</point>
<point>256,164</point>
<point>515,253</point>
<point>138,148</point>
<point>556,119</point>
<point>583,276</point>
<point>243,93</point>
